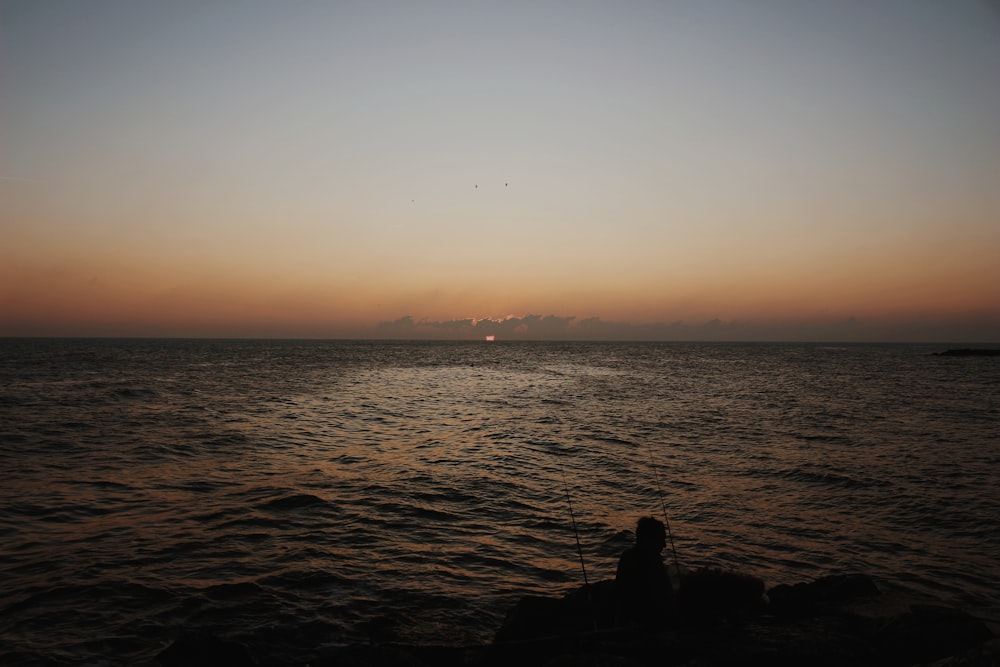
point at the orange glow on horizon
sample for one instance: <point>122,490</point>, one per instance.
<point>644,178</point>
<point>121,297</point>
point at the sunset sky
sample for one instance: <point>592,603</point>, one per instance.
<point>699,169</point>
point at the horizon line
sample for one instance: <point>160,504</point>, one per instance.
<point>507,340</point>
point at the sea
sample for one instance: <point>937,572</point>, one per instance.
<point>296,495</point>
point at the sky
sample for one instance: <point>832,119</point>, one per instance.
<point>670,170</point>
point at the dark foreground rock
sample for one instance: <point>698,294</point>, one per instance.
<point>200,649</point>
<point>722,620</point>
<point>830,622</point>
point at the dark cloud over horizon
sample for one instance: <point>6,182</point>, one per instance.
<point>553,327</point>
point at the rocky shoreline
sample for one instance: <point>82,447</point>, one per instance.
<point>829,622</point>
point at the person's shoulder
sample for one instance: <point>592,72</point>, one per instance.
<point>629,553</point>
<point>629,560</point>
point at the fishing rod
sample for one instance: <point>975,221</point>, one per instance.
<point>663,506</point>
<point>579,549</point>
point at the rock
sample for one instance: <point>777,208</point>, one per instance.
<point>360,655</point>
<point>591,660</point>
<point>830,622</point>
<point>842,620</point>
<point>818,642</point>
<point>202,649</point>
<point>820,596</point>
<point>584,609</point>
<point>532,617</point>
<point>710,595</point>
<point>986,654</point>
<point>927,633</point>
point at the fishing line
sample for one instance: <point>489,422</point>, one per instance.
<point>663,506</point>
<point>572,515</point>
<point>579,549</point>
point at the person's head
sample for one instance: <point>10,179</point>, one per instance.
<point>650,534</point>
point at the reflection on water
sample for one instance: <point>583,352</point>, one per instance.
<point>287,493</point>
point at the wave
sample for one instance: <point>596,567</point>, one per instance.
<point>350,483</point>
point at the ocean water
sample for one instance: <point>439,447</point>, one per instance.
<point>294,494</point>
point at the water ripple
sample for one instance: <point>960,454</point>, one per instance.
<point>289,493</point>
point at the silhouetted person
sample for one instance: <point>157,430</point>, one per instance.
<point>642,585</point>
